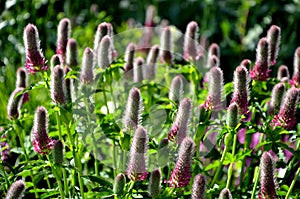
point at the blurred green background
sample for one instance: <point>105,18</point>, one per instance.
<point>235,25</point>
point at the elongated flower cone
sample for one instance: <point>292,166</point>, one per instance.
<point>87,74</point>
<point>55,60</point>
<point>267,177</point>
<point>276,98</point>
<point>261,70</point>
<point>63,35</point>
<point>102,30</point>
<point>119,184</point>
<point>35,60</point>
<point>16,190</point>
<point>104,53</point>
<point>283,73</point>
<point>181,174</point>
<point>246,63</point>
<point>225,194</point>
<point>166,46</point>
<point>232,118</point>
<point>154,183</point>
<point>67,85</point>
<point>176,90</point>
<point>71,53</point>
<point>42,143</point>
<point>199,186</point>
<point>134,108</point>
<point>113,51</point>
<point>149,70</point>
<point>273,36</point>
<point>150,14</point>
<point>295,81</point>
<point>215,93</point>
<point>58,152</point>
<point>22,81</point>
<point>4,148</point>
<point>286,117</point>
<point>180,125</point>
<point>129,60</point>
<point>136,169</point>
<point>214,49</point>
<point>138,70</point>
<point>57,81</point>
<point>241,89</point>
<point>15,103</point>
<point>190,50</point>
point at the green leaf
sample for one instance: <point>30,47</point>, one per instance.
<point>99,180</point>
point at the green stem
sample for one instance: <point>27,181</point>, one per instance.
<point>256,178</point>
<point>293,183</point>
<point>54,171</point>
<point>57,114</point>
<point>231,164</point>
<point>220,166</point>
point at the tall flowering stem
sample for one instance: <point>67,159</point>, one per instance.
<point>136,169</point>
<point>181,175</point>
<point>267,177</point>
<point>286,117</point>
<point>273,36</point>
<point>241,89</point>
<point>35,60</point>
<point>63,35</point>
<point>180,125</point>
<point>261,70</point>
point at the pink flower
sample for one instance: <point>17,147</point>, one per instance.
<point>35,60</point>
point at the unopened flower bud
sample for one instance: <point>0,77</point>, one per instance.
<point>273,36</point>
<point>16,190</point>
<point>129,60</point>
<point>72,54</point>
<point>14,103</point>
<point>232,118</point>
<point>176,90</point>
<point>267,176</point>
<point>295,81</point>
<point>225,194</point>
<point>199,186</point>
<point>166,46</point>
<point>55,60</point>
<point>190,50</point>
<point>150,14</point>
<point>63,35</point>
<point>22,81</point>
<point>58,154</point>
<point>67,85</point>
<point>283,73</point>
<point>214,49</point>
<point>104,52</point>
<point>154,183</point>
<point>276,97</point>
<point>57,80</point>
<point>119,184</point>
<point>212,61</point>
<point>87,75</point>
<point>138,70</point>
<point>246,63</point>
<point>134,108</point>
<point>149,70</point>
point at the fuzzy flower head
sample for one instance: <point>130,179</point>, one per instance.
<point>190,50</point>
<point>199,186</point>
<point>181,175</point>
<point>104,53</point>
<point>225,194</point>
<point>181,123</point>
<point>273,36</point>
<point>154,183</point>
<point>149,70</point>
<point>267,177</point>
<point>129,60</point>
<point>136,169</point>
<point>16,190</point>
<point>15,103</point>
<point>138,70</point>
<point>295,81</point>
<point>166,46</point>
<point>63,35</point>
<point>42,143</point>
<point>241,89</point>
<point>119,184</point>
<point>55,60</point>
<point>286,117</point>
<point>232,118</point>
<point>35,60</point>
<point>134,108</point>
<point>22,81</point>
<point>246,63</point>
<point>283,73</point>
<point>72,54</point>
<point>150,14</point>
<point>58,152</point>
<point>276,97</point>
<point>261,70</point>
<point>176,90</point>
<point>215,92</point>
<point>102,30</point>
<point>87,75</point>
<point>214,49</point>
<point>57,81</point>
